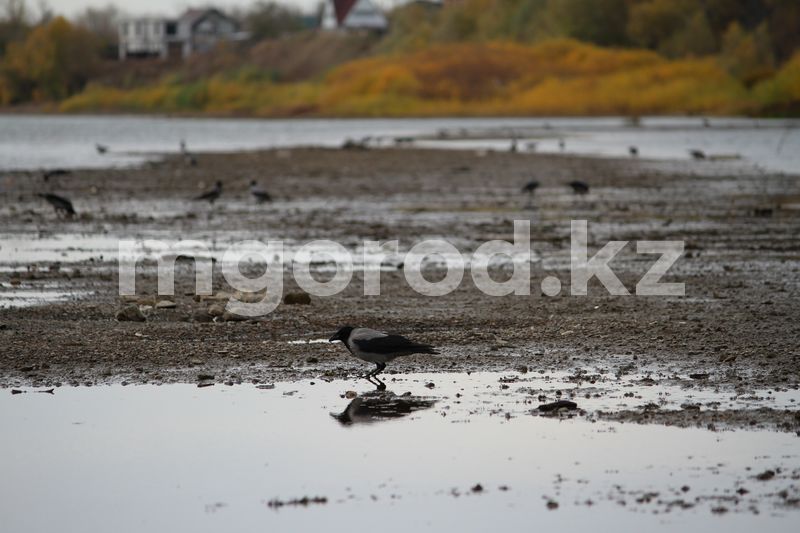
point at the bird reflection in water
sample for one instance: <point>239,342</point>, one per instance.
<point>381,405</point>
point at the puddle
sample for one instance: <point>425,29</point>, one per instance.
<point>463,453</point>
<point>27,295</point>
<point>321,256</point>
<point>311,341</point>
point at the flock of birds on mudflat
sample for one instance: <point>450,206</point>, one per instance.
<point>366,344</point>
<point>63,205</point>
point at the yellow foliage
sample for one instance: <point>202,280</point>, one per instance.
<point>781,94</point>
<point>55,60</point>
<point>561,77</point>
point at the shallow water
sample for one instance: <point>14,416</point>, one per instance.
<point>186,458</point>
<point>70,140</point>
<point>323,256</point>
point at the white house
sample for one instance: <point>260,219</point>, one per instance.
<point>197,30</point>
<point>352,15</point>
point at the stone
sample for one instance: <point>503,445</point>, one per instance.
<point>297,298</point>
<point>130,313</point>
<point>560,404</point>
<point>227,316</point>
<point>202,315</point>
<point>165,304</point>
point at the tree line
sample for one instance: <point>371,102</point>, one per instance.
<point>47,58</point>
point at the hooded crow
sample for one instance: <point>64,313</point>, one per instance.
<point>579,187</point>
<point>531,187</point>
<point>101,148</point>
<point>59,203</point>
<point>634,151</point>
<point>378,347</point>
<point>697,154</point>
<point>258,193</point>
<point>212,195</point>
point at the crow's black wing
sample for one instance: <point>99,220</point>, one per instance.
<point>210,195</point>
<point>392,344</point>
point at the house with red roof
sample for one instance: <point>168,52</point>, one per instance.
<point>352,15</point>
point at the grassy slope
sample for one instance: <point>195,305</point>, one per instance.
<point>559,77</point>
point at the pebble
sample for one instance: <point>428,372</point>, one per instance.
<point>560,404</point>
<point>215,310</point>
<point>165,304</point>
<point>130,313</point>
<point>202,315</point>
<point>227,316</point>
<point>297,298</point>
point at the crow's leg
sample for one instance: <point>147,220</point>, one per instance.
<point>380,385</point>
<point>380,368</point>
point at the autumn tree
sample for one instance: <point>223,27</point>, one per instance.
<point>267,20</point>
<point>13,22</point>
<point>54,61</point>
<point>601,22</point>
<point>102,22</point>
<point>747,55</point>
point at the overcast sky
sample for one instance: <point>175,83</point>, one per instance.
<point>167,7</point>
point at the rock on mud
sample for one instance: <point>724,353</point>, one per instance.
<point>297,298</point>
<point>227,316</point>
<point>216,310</point>
<point>202,315</point>
<point>130,313</point>
<point>555,406</point>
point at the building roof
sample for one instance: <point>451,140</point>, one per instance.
<point>342,8</point>
<point>193,16</point>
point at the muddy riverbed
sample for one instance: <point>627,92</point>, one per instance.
<point>735,330</point>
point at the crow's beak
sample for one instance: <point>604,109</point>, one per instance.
<point>334,338</point>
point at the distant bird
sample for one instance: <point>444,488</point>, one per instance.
<point>353,144</point>
<point>212,195</point>
<point>400,141</point>
<point>579,187</point>
<point>633,151</point>
<point>697,154</point>
<point>101,148</point>
<point>62,205</point>
<point>54,172</point>
<point>513,147</point>
<point>561,144</point>
<point>183,147</point>
<point>531,146</point>
<point>260,194</point>
<point>377,347</point>
<point>531,187</point>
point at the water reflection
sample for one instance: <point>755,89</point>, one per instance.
<point>381,405</point>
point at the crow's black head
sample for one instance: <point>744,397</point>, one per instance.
<point>342,334</point>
